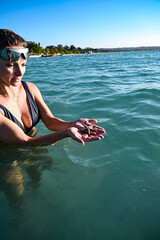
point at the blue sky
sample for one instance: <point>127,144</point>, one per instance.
<point>84,23</point>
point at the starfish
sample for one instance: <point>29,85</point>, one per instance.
<point>88,128</point>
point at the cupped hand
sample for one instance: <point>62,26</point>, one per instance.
<point>88,126</point>
<point>81,136</point>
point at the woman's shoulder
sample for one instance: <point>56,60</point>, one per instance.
<point>33,89</point>
<point>31,85</point>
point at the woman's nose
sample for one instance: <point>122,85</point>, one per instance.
<point>18,70</point>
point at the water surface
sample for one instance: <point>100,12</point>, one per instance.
<point>105,190</point>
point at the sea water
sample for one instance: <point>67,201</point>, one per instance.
<point>108,189</point>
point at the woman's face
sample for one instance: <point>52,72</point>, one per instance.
<point>11,73</point>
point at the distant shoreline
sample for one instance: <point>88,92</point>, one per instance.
<point>114,50</point>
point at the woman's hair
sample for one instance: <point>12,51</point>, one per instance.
<point>9,38</point>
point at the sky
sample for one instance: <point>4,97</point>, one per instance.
<point>84,23</point>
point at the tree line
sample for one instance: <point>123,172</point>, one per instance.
<point>35,48</point>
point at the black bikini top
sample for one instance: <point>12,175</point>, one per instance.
<point>35,114</point>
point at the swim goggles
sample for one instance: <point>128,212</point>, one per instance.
<point>13,54</point>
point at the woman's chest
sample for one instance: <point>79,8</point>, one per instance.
<point>19,108</point>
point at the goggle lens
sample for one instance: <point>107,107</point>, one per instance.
<point>13,54</point>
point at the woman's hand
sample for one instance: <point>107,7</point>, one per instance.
<point>85,131</point>
<point>88,126</point>
<point>81,137</point>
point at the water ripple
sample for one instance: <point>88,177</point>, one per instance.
<point>121,90</point>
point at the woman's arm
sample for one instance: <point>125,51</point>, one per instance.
<point>11,133</point>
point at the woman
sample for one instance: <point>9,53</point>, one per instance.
<point>22,106</point>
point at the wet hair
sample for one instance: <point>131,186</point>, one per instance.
<point>9,38</point>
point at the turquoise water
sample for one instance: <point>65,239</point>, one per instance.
<point>105,190</point>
